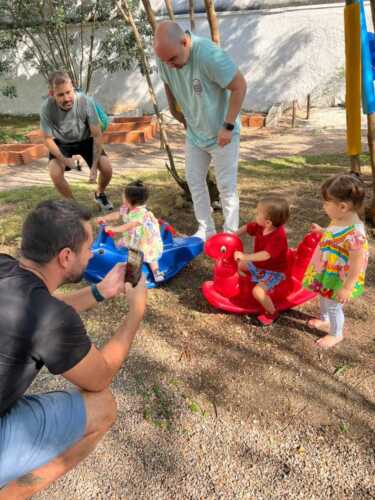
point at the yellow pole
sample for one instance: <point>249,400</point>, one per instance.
<point>353,78</point>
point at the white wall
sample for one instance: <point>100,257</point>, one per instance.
<point>284,54</point>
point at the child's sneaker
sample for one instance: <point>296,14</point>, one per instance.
<point>158,276</point>
<point>267,319</point>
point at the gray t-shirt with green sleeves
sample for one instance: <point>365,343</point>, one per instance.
<point>68,126</point>
<point>199,87</point>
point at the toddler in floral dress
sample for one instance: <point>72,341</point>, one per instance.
<point>140,228</point>
<point>337,268</point>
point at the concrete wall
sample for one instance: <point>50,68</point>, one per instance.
<point>284,54</point>
<point>182,6</point>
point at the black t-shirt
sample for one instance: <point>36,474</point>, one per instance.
<point>36,329</point>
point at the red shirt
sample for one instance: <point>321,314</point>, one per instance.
<point>275,243</point>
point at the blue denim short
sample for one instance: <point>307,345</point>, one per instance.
<point>269,279</point>
<point>37,429</point>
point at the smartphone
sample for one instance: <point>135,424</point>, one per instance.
<point>133,270</point>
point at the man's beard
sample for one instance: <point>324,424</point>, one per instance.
<point>74,277</point>
<point>65,108</point>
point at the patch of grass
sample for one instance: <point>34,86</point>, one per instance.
<point>157,405</point>
<point>195,407</point>
<point>15,203</point>
<point>344,427</point>
<point>20,201</point>
<point>342,368</point>
<point>300,166</point>
<point>14,128</point>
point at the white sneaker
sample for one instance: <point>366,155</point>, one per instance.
<point>159,276</point>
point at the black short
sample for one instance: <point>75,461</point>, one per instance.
<point>84,148</point>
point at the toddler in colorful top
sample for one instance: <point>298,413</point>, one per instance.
<point>268,263</point>
<point>140,228</point>
<point>337,268</point>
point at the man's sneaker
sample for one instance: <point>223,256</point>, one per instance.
<point>102,200</point>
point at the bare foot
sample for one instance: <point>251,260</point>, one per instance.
<point>319,324</point>
<point>329,341</point>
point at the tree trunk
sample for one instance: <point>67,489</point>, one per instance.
<point>168,4</point>
<point>212,20</point>
<point>215,35</point>
<point>191,15</point>
<point>124,8</point>
<point>150,14</point>
<point>152,21</point>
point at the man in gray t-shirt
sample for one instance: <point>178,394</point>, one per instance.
<point>71,127</point>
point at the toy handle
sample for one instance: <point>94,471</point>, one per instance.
<point>167,227</point>
<point>103,233</point>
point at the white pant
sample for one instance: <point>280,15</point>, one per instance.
<point>332,311</point>
<point>225,162</point>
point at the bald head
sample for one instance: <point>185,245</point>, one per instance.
<point>168,32</point>
<point>172,44</point>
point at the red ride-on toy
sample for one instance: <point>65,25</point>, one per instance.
<point>231,292</point>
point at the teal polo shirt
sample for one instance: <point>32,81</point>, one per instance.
<point>199,89</point>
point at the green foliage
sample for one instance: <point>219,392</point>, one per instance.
<point>80,38</point>
<point>6,50</point>
<point>15,128</point>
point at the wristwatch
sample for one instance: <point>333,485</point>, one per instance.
<point>228,126</point>
<point>97,295</point>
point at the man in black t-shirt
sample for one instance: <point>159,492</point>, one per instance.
<point>44,436</point>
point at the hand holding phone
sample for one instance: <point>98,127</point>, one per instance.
<point>133,270</point>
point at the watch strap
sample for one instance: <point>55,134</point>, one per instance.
<point>97,295</point>
<point>228,126</point>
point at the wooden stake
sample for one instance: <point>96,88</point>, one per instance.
<point>308,107</point>
<point>294,113</point>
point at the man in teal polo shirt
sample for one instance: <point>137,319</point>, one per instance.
<point>209,90</point>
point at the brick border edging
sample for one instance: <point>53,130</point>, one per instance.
<point>21,154</point>
<point>253,120</point>
<point>122,130</point>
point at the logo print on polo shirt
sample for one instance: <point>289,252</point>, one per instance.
<point>197,87</point>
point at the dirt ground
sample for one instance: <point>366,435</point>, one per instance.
<point>211,405</point>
